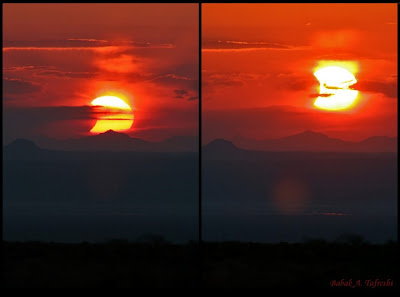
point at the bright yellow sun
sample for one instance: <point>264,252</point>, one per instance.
<point>117,114</point>
<point>335,92</point>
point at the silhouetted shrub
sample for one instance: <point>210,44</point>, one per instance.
<point>350,238</point>
<point>150,238</point>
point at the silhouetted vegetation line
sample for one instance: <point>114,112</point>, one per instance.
<point>309,264</point>
<point>120,263</point>
<point>117,263</point>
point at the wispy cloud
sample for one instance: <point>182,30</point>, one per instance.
<point>50,71</point>
<point>185,94</point>
<point>28,67</point>
<point>66,74</point>
<point>88,44</point>
<point>87,39</point>
<point>19,86</point>
<point>229,79</point>
<point>180,94</point>
<point>232,45</point>
<point>328,214</point>
<point>63,113</point>
<point>171,76</point>
<point>388,87</point>
<point>75,48</point>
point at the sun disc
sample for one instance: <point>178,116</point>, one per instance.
<point>335,92</point>
<point>335,76</point>
<point>118,115</point>
<point>111,101</point>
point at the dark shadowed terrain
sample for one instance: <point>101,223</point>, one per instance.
<point>307,265</point>
<point>130,219</point>
<point>318,142</point>
<point>273,196</point>
<point>114,264</point>
<point>155,263</point>
<point>79,196</point>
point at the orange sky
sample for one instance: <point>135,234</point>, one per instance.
<point>258,62</point>
<point>58,57</point>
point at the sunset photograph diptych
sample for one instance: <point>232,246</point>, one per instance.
<point>232,145</point>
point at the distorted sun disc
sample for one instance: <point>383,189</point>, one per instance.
<point>335,92</point>
<point>118,117</point>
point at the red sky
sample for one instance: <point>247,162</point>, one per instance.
<point>258,62</point>
<point>57,58</point>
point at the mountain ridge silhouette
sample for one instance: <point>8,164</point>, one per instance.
<point>310,141</point>
<point>108,141</point>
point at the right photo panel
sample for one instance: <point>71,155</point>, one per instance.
<point>299,144</point>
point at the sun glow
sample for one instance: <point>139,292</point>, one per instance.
<point>111,101</point>
<point>117,114</point>
<point>334,90</point>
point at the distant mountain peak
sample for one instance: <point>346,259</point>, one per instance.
<point>220,145</point>
<point>109,131</point>
<point>114,134</point>
<point>312,141</point>
<point>310,133</point>
<point>20,149</point>
<point>220,141</point>
<point>377,138</point>
<point>22,143</point>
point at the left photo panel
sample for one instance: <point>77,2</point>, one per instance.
<point>101,124</point>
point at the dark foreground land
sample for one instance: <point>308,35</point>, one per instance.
<point>307,265</point>
<point>115,264</point>
<point>314,264</point>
